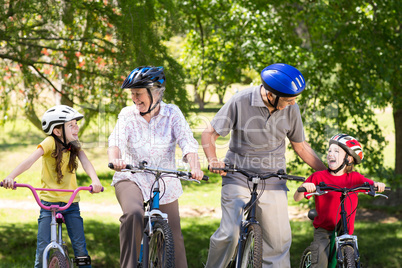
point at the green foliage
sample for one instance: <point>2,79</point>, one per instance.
<point>80,51</point>
<point>348,53</point>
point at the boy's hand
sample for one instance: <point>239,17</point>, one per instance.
<point>310,187</point>
<point>380,185</point>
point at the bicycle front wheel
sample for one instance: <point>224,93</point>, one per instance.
<point>161,246</point>
<point>251,255</point>
<point>305,261</point>
<point>57,260</point>
<point>348,257</point>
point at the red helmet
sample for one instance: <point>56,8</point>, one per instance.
<point>350,145</point>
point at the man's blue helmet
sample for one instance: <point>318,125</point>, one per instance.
<point>145,77</point>
<point>283,80</point>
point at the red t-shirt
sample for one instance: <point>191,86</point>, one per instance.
<point>328,205</point>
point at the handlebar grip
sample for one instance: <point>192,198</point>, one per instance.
<point>386,188</point>
<point>205,178</point>
<point>215,168</point>
<point>1,184</point>
<point>301,189</point>
<point>111,166</point>
<point>296,178</point>
<point>93,187</point>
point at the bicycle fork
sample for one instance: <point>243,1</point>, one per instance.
<point>55,237</point>
<point>346,239</point>
<point>148,229</point>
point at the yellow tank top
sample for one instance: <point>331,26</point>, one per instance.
<point>49,175</point>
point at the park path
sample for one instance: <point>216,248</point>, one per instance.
<point>295,213</point>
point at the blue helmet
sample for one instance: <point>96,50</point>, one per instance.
<point>283,80</point>
<point>145,77</point>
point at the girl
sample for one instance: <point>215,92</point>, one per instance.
<point>344,151</point>
<point>59,152</point>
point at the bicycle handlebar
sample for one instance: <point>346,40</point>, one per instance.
<point>322,188</point>
<point>57,207</point>
<point>143,166</point>
<point>279,174</point>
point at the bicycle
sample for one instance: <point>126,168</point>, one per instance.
<point>59,257</point>
<point>157,245</point>
<point>344,251</point>
<point>248,251</point>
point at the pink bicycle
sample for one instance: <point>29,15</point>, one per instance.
<point>59,256</point>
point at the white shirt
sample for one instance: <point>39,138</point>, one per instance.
<point>154,142</point>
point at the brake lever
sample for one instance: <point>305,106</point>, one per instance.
<point>382,195</point>
<point>317,192</point>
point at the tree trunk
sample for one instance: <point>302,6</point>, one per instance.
<point>398,141</point>
<point>395,196</point>
<point>198,98</point>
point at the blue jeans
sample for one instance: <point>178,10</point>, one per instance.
<point>75,229</point>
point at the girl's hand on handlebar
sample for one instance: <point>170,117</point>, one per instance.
<point>310,187</point>
<point>380,185</point>
<point>96,187</point>
<point>217,164</point>
<point>8,183</point>
<point>118,164</point>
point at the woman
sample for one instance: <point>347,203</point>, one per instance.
<point>149,130</point>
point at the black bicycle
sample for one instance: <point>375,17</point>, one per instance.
<point>249,248</point>
<point>344,251</point>
<point>157,245</point>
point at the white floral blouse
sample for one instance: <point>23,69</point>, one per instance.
<point>154,142</point>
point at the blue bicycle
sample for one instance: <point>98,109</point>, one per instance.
<point>157,245</point>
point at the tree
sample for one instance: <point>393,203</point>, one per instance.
<point>212,56</point>
<point>358,44</point>
<point>348,53</point>
<point>82,51</point>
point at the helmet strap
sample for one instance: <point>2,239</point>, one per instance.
<point>151,108</point>
<point>345,162</point>
<point>275,103</point>
<point>65,145</point>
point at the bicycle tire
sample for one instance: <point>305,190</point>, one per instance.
<point>161,246</point>
<point>348,257</point>
<point>305,261</point>
<point>251,255</point>
<point>57,260</point>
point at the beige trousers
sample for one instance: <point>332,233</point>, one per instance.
<point>131,225</point>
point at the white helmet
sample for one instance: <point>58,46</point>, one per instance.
<point>58,115</point>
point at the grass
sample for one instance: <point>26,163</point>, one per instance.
<point>379,243</point>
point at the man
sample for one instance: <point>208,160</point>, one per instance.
<point>259,119</point>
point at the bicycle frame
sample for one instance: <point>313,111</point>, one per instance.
<point>152,210</point>
<point>249,210</point>
<point>56,241</point>
<point>249,216</point>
